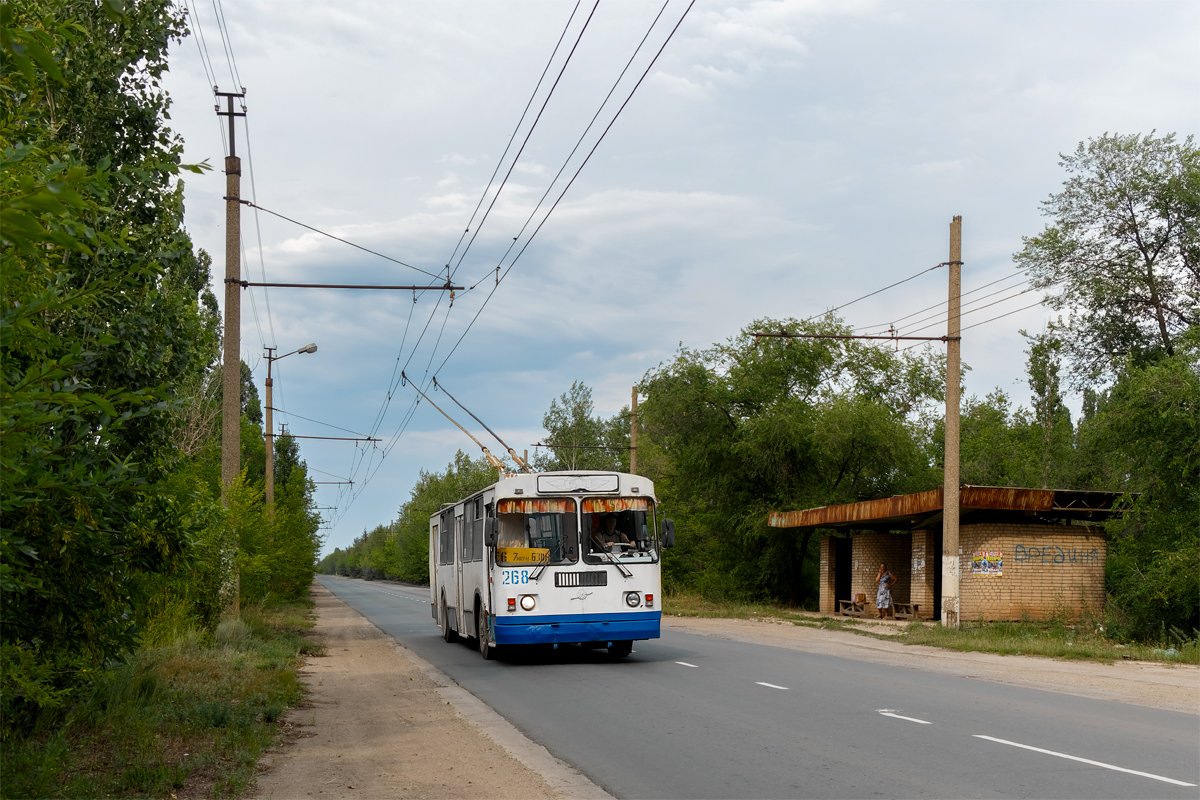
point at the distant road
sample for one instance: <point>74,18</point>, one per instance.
<point>690,716</point>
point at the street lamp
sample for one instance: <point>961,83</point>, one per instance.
<point>270,434</point>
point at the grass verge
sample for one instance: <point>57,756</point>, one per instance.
<point>1056,638</point>
<point>188,718</point>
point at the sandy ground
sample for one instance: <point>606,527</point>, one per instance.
<point>380,722</point>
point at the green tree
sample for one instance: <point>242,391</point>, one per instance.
<point>104,317</point>
<point>1122,252</point>
<point>579,439</point>
<point>753,425</point>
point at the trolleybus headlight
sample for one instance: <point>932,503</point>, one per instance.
<point>632,599</point>
<point>527,602</point>
<point>512,604</point>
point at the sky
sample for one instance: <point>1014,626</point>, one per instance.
<point>777,159</point>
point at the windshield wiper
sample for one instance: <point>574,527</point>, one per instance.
<point>537,573</point>
<point>613,560</point>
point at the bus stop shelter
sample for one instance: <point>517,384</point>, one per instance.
<point>1022,553</point>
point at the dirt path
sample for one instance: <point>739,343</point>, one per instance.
<point>381,722</point>
<point>1175,687</point>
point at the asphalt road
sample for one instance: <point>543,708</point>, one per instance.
<point>689,716</point>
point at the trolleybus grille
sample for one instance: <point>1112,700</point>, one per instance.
<point>591,578</point>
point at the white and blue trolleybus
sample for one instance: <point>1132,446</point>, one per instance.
<point>550,558</point>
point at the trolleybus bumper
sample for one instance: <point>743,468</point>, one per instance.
<point>562,628</point>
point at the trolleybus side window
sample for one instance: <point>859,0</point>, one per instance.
<point>445,541</point>
<point>535,531</point>
<point>619,527</point>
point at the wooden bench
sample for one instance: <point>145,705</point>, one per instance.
<point>906,610</point>
<point>853,608</point>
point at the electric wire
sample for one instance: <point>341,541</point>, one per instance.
<point>525,142</point>
<point>222,24</point>
<point>206,63</point>
<point>872,294</point>
<point>225,44</point>
<point>262,265</point>
<point>346,241</point>
<point>986,321</point>
<point>532,236</point>
<point>512,138</point>
<point>575,149</point>
<point>591,152</point>
<point>318,422</point>
<point>940,316</point>
<point>962,313</point>
<point>942,303</point>
<point>570,183</point>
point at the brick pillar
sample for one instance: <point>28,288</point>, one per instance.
<point>924,562</point>
<point>827,602</point>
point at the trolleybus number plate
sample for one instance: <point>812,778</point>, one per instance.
<point>514,577</point>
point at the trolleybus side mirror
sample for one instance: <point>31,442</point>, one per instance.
<point>668,533</point>
<point>493,531</point>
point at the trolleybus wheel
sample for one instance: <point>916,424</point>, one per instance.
<point>447,632</point>
<point>481,635</point>
<point>620,649</point>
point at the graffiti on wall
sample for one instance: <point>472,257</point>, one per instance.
<point>1053,554</point>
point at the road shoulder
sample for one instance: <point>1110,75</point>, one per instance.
<point>380,722</point>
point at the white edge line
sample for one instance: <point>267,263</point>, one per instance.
<point>910,719</point>
<point>686,664</point>
<point>1084,760</point>
<point>771,685</point>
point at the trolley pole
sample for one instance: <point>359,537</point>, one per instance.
<point>633,433</point>
<point>951,552</point>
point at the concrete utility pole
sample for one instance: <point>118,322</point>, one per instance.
<point>633,433</point>
<point>269,434</point>
<point>231,364</point>
<point>951,553</point>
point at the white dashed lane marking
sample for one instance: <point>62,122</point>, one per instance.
<point>686,664</point>
<point>771,685</point>
<point>1084,760</point>
<point>887,713</point>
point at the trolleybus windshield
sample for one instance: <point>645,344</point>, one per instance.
<point>619,527</point>
<point>537,531</point>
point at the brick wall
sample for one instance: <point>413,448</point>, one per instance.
<point>926,563</point>
<point>1048,570</point>
<point>872,549</point>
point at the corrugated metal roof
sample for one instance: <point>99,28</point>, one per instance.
<point>911,510</point>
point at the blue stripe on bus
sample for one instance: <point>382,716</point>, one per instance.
<point>525,629</point>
